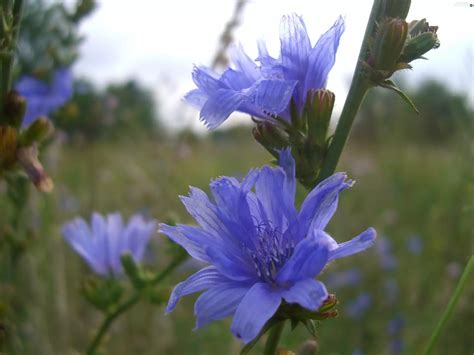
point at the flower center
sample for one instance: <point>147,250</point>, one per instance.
<point>270,251</point>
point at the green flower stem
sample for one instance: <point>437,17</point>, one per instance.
<point>273,338</point>
<point>452,304</point>
<point>109,319</point>
<point>10,38</point>
<point>359,87</point>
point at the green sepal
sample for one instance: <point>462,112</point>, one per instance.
<point>102,294</point>
<point>132,270</point>
<point>310,327</point>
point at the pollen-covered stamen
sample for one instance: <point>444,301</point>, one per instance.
<point>270,251</point>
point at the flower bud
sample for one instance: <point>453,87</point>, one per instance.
<point>388,44</point>
<point>396,8</point>
<point>102,294</point>
<point>28,159</point>
<point>420,44</point>
<point>319,105</point>
<point>8,146</point>
<point>15,108</point>
<point>270,136</point>
<point>38,131</point>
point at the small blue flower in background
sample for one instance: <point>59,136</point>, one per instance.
<point>344,278</point>
<point>42,97</point>
<point>415,244</point>
<point>102,243</point>
<point>359,306</point>
<point>384,251</point>
<point>266,89</point>
<point>261,249</point>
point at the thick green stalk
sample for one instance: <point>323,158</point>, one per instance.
<point>273,338</point>
<point>357,91</point>
<point>109,319</point>
<point>463,281</point>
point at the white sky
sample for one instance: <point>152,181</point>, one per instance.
<point>157,42</point>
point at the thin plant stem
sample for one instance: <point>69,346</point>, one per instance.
<point>451,305</point>
<point>131,301</point>
<point>273,338</point>
<point>359,87</point>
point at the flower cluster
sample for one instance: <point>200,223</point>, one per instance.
<point>265,90</point>
<point>262,250</point>
<point>107,238</point>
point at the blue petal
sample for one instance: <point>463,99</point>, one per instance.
<point>308,293</point>
<point>205,212</point>
<point>236,80</point>
<point>272,96</point>
<point>231,263</point>
<point>321,203</point>
<point>219,106</point>
<point>243,63</point>
<point>219,302</point>
<point>257,307</point>
<point>78,234</point>
<point>193,247</point>
<point>115,242</point>
<point>196,98</point>
<point>201,280</point>
<point>308,259</point>
<point>206,80</point>
<point>295,46</point>
<point>136,235</point>
<point>363,241</point>
<point>287,162</point>
<point>277,203</point>
<point>323,56</point>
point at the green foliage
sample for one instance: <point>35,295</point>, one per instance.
<point>444,115</point>
<point>120,109</point>
<point>49,35</point>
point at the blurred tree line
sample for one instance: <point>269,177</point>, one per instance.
<point>444,115</point>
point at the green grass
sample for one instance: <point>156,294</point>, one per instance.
<point>401,190</point>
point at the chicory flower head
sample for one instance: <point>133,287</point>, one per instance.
<point>42,97</point>
<point>265,90</point>
<point>261,249</point>
<point>102,243</point>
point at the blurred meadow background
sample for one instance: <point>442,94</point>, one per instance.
<point>125,142</point>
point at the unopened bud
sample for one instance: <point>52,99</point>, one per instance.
<point>8,146</point>
<point>270,136</point>
<point>38,131</point>
<point>14,108</point>
<point>396,8</point>
<point>419,45</point>
<point>28,159</point>
<point>318,106</point>
<point>388,44</point>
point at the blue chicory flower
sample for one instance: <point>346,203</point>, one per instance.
<point>44,98</point>
<point>266,89</point>
<point>102,244</point>
<point>261,249</point>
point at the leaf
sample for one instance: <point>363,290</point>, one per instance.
<point>388,84</point>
